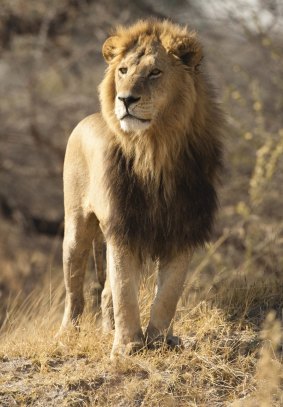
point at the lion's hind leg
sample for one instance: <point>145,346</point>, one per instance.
<point>99,256</point>
<point>107,308</point>
<point>102,293</point>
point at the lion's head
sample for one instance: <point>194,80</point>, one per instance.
<point>151,69</point>
<point>154,97</point>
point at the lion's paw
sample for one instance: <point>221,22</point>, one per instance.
<point>165,342</point>
<point>128,349</point>
<point>174,342</point>
<point>67,330</point>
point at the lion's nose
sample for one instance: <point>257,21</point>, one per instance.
<point>128,100</point>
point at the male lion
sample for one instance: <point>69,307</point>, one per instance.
<point>141,175</point>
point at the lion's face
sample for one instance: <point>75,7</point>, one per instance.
<point>141,91</point>
<point>150,81</point>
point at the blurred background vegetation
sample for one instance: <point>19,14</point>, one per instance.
<point>50,67</point>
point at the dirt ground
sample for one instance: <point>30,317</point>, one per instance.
<point>231,313</point>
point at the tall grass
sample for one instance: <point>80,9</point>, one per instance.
<point>227,359</point>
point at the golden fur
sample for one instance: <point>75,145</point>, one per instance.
<point>187,112</point>
<point>144,172</point>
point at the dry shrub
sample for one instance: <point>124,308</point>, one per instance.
<point>269,369</point>
<point>228,360</point>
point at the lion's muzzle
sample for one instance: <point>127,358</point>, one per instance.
<point>128,100</point>
<point>129,113</point>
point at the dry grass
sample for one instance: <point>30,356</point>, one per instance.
<point>231,312</point>
<point>226,360</point>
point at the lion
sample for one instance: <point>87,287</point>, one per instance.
<point>142,176</point>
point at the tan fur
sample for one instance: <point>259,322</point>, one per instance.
<point>156,152</point>
<point>176,115</point>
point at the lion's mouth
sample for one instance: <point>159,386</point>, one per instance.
<point>130,116</point>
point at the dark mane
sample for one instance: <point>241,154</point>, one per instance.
<point>147,222</point>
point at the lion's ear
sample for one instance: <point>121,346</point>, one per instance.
<point>110,48</point>
<point>188,49</point>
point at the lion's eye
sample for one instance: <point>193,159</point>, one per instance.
<point>155,73</point>
<point>123,70</point>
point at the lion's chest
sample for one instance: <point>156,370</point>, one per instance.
<point>142,219</point>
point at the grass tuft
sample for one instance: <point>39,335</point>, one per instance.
<point>228,356</point>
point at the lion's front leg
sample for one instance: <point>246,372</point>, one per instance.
<point>79,232</point>
<point>170,283</point>
<point>124,276</point>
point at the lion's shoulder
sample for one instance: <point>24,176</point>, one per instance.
<point>92,124</point>
<point>90,131</point>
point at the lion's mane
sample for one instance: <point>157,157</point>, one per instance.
<point>162,185</point>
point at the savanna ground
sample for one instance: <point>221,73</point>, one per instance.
<point>230,316</point>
